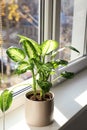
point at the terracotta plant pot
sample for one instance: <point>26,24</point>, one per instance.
<point>39,113</point>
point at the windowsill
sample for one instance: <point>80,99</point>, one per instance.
<point>70,97</point>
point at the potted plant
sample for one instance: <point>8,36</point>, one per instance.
<point>39,104</point>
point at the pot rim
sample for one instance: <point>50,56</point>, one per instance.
<point>31,91</point>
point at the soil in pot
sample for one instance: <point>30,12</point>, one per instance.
<point>47,97</point>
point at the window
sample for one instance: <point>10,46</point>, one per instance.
<point>18,17</point>
<point>72,23</point>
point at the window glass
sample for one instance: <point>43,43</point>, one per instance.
<point>72,27</point>
<point>66,25</point>
<point>18,17</point>
<point>69,28</point>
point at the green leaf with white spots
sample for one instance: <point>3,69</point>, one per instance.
<point>49,46</point>
<point>44,85</point>
<point>6,98</point>
<point>67,75</point>
<point>33,44</point>
<point>22,67</point>
<point>16,54</point>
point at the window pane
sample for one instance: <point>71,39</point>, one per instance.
<point>72,27</point>
<point>66,22</point>
<point>18,17</point>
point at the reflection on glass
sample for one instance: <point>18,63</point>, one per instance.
<point>66,23</point>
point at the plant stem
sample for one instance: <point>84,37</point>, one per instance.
<point>42,95</point>
<point>34,82</point>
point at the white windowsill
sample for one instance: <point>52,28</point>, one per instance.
<point>70,97</point>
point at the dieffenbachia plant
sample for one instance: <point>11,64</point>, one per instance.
<point>32,57</point>
<point>6,98</point>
